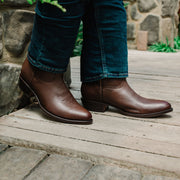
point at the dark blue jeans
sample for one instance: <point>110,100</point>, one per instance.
<point>104,53</point>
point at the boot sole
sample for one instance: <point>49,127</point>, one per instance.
<point>102,107</point>
<point>29,91</point>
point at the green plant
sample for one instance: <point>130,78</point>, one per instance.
<point>162,47</point>
<point>126,4</point>
<point>79,42</point>
<point>177,42</point>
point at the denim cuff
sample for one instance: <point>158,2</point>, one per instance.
<point>44,67</point>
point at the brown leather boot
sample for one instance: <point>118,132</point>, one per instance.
<point>97,96</point>
<point>53,96</point>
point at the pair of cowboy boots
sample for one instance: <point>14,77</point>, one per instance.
<point>55,99</point>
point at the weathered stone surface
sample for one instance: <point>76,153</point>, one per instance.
<point>14,3</point>
<point>146,5</point>
<point>18,31</point>
<point>1,48</point>
<point>151,24</point>
<point>142,40</point>
<point>17,162</point>
<point>130,31</point>
<point>168,7</point>
<point>102,172</point>
<point>58,167</point>
<point>151,177</point>
<point>167,29</point>
<point>131,1</point>
<point>1,31</point>
<point>10,94</point>
<point>135,15</point>
<point>3,147</point>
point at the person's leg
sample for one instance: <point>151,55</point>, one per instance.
<point>104,64</point>
<point>52,42</point>
<point>104,53</point>
<point>54,35</point>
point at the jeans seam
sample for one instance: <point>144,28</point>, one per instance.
<point>101,43</point>
<point>106,75</point>
<point>41,48</point>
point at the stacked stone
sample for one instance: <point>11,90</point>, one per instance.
<point>16,22</point>
<point>158,17</point>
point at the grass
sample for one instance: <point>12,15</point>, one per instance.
<point>177,42</point>
<point>165,47</point>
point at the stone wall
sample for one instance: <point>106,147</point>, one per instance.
<point>16,22</point>
<point>158,17</point>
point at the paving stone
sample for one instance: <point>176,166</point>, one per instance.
<point>151,177</point>
<point>103,172</point>
<point>17,162</point>
<point>3,147</point>
<point>58,167</point>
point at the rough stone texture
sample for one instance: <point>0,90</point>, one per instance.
<point>14,3</point>
<point>146,5</point>
<point>130,31</point>
<point>168,7</point>
<point>135,15</point>
<point>18,162</point>
<point>142,40</point>
<point>102,172</point>
<point>151,24</point>
<point>2,147</point>
<point>1,31</point>
<point>139,10</point>
<point>151,177</point>
<point>10,94</point>
<point>167,29</point>
<point>18,31</point>
<point>16,22</point>
<point>58,167</point>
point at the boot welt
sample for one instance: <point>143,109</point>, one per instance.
<point>102,107</point>
<point>28,90</point>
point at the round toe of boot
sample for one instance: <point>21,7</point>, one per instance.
<point>83,117</point>
<point>166,107</point>
<point>160,108</point>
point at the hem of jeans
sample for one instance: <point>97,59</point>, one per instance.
<point>103,76</point>
<point>44,67</point>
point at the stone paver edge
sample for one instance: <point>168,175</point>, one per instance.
<point>85,156</point>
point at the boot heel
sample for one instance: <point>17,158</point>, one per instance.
<point>94,106</point>
<point>24,87</point>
